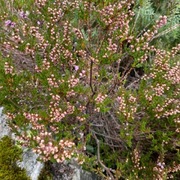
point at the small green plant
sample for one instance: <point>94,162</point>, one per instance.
<point>9,155</point>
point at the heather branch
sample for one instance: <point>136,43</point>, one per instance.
<point>108,170</point>
<point>90,80</point>
<point>166,31</point>
<point>107,138</point>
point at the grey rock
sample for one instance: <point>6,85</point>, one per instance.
<point>4,129</point>
<point>31,164</point>
<point>71,171</point>
<point>80,174</point>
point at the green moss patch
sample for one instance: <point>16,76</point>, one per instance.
<point>9,155</point>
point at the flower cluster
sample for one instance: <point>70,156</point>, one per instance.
<point>100,98</point>
<point>161,22</point>
<point>59,152</point>
<point>34,120</point>
<point>160,170</point>
<point>23,14</point>
<point>136,158</point>
<point>55,53</point>
<point>56,113</point>
<point>127,108</point>
<point>159,89</point>
<point>72,82</point>
<point>173,74</point>
<point>136,163</point>
<point>78,33</point>
<point>115,18</point>
<point>8,68</point>
<point>112,46</point>
<point>41,3</point>
<point>46,145</point>
<point>52,81</point>
<point>66,147</point>
<point>10,23</point>
<point>56,14</point>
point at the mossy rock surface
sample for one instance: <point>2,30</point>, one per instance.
<point>9,155</point>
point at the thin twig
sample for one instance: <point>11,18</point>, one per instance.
<point>117,125</point>
<point>108,170</point>
<point>135,21</point>
<point>90,78</point>
<point>166,31</point>
<point>144,30</point>
<point>133,83</point>
<point>109,137</point>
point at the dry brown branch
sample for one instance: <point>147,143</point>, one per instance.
<point>108,170</point>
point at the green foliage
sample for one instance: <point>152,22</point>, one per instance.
<point>144,13</point>
<point>173,36</point>
<point>148,11</point>
<point>9,155</point>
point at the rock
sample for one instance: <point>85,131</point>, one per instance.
<point>29,162</point>
<point>70,171</point>
<point>4,130</point>
<point>80,174</point>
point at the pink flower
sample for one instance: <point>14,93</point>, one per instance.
<point>24,14</point>
<point>162,21</point>
<point>10,23</point>
<point>76,67</point>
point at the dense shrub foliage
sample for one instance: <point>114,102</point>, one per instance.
<point>82,80</point>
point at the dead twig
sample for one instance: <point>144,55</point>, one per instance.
<point>108,170</point>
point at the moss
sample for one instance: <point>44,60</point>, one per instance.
<point>9,155</point>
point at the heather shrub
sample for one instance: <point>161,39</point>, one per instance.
<point>80,80</point>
